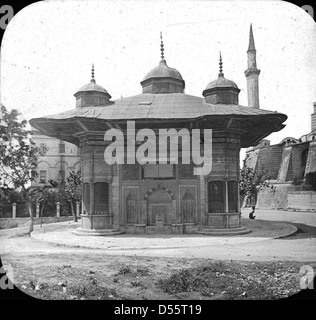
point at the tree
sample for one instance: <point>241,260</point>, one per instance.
<point>18,157</point>
<point>46,198</point>
<point>73,190</point>
<point>70,191</point>
<point>251,182</point>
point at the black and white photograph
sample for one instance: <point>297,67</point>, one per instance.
<point>157,155</point>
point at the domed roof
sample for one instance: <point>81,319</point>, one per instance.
<point>163,79</point>
<point>221,90</point>
<point>92,86</point>
<point>163,71</point>
<point>221,82</point>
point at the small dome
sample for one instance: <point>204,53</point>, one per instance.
<point>221,90</point>
<point>221,82</point>
<point>92,94</point>
<point>163,71</point>
<point>92,86</point>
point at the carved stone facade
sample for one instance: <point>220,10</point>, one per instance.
<point>161,198</point>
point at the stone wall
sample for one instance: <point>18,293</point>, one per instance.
<point>22,222</point>
<point>276,198</point>
<point>297,165</point>
<point>302,200</point>
<point>269,159</point>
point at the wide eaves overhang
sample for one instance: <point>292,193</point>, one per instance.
<point>162,110</point>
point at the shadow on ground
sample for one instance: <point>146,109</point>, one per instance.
<point>303,232</point>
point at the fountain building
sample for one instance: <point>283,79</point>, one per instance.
<point>164,197</point>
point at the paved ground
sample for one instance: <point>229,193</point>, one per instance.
<point>307,218</point>
<point>262,244</point>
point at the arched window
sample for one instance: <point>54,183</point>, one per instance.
<point>216,196</point>
<point>188,207</point>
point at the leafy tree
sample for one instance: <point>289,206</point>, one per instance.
<point>73,190</point>
<point>18,157</point>
<point>70,191</point>
<point>46,198</point>
<point>251,182</point>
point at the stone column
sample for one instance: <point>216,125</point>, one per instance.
<point>91,209</point>
<point>238,197</point>
<point>203,202</point>
<point>37,209</point>
<point>143,212</point>
<point>14,210</point>
<point>82,174</point>
<point>91,180</point>
<point>58,209</point>
<point>115,194</point>
<point>174,211</point>
<point>77,209</point>
<point>226,196</point>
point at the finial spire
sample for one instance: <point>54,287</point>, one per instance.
<point>161,47</point>
<point>221,74</point>
<point>92,73</point>
<point>251,46</point>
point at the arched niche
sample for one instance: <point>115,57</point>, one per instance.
<point>158,206</point>
<point>187,208</point>
<point>131,208</point>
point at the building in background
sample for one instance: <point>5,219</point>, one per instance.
<point>60,158</point>
<point>289,164</point>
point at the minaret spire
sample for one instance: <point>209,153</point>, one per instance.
<point>92,73</point>
<point>161,47</point>
<point>251,46</point>
<point>252,73</point>
<point>221,74</point>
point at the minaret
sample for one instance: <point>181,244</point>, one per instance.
<point>252,74</point>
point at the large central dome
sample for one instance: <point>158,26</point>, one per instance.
<point>163,71</point>
<point>163,79</point>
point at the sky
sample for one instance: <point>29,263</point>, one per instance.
<point>48,49</point>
